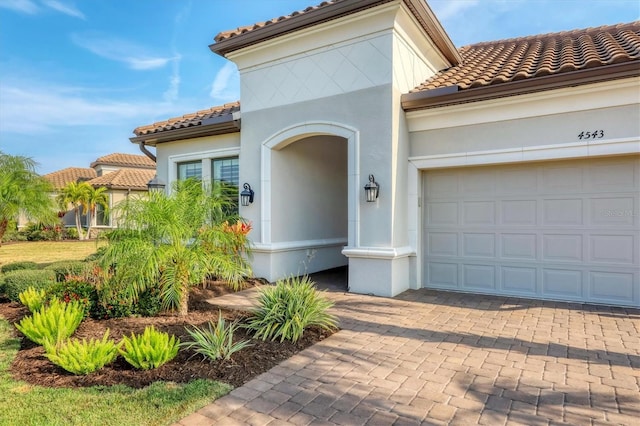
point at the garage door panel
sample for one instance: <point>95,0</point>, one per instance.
<point>563,283</point>
<point>565,230</point>
<point>617,287</point>
<point>478,245</point>
<point>612,249</point>
<point>443,275</point>
<point>562,247</point>
<point>519,246</point>
<point>519,212</point>
<point>442,213</point>
<point>612,211</point>
<point>519,280</point>
<point>443,244</point>
<point>562,212</point>
<point>479,213</point>
<point>479,277</point>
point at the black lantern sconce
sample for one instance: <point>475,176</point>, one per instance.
<point>155,184</point>
<point>372,190</point>
<point>246,196</point>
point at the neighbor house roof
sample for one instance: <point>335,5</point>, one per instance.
<point>125,160</point>
<point>215,120</point>
<point>124,179</point>
<point>229,41</point>
<point>60,178</point>
<point>534,63</point>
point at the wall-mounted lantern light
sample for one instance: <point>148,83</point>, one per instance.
<point>246,196</point>
<point>372,190</point>
<point>155,184</point>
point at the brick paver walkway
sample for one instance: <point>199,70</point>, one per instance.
<point>444,358</point>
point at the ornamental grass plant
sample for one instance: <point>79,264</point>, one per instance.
<point>82,357</point>
<point>53,323</point>
<point>216,342</point>
<point>288,308</point>
<point>149,350</point>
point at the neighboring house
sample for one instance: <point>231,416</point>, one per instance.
<point>122,175</point>
<point>509,167</point>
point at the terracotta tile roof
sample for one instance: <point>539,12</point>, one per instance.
<point>224,35</point>
<point>188,120</point>
<point>61,178</point>
<point>124,179</point>
<point>125,160</point>
<point>497,62</point>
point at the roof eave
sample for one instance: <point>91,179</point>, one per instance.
<point>294,23</point>
<point>452,95</point>
<point>223,125</point>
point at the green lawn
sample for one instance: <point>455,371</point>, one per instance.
<point>22,404</point>
<point>47,251</point>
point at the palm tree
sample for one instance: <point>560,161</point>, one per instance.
<point>75,193</point>
<point>95,197</point>
<point>173,242</point>
<point>22,190</point>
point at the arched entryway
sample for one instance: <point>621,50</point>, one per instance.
<point>309,182</point>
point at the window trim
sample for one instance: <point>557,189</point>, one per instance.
<point>173,161</point>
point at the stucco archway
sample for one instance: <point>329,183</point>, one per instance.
<point>275,146</point>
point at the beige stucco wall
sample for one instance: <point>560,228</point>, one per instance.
<point>615,122</point>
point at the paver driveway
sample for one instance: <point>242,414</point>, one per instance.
<point>444,358</point>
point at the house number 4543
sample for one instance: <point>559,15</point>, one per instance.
<point>596,134</point>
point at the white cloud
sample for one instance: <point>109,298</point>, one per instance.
<point>22,6</point>
<point>172,92</point>
<point>29,108</point>
<point>67,9</point>
<point>225,86</point>
<point>133,55</point>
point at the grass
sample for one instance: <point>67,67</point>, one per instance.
<point>159,404</point>
<point>44,252</point>
<point>24,404</point>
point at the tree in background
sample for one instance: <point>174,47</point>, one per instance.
<point>22,190</point>
<point>95,197</point>
<point>173,242</point>
<point>76,194</point>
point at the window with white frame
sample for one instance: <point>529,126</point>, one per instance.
<point>191,169</point>
<point>225,176</point>
<point>103,218</point>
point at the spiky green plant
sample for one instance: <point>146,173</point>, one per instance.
<point>285,310</point>
<point>148,350</point>
<point>33,299</point>
<point>216,342</point>
<point>82,357</point>
<point>52,323</point>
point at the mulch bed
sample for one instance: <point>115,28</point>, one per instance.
<point>31,366</point>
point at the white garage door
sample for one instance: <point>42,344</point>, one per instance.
<point>565,230</point>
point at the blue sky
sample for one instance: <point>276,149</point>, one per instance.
<point>77,76</point>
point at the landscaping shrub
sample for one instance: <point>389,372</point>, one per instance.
<point>82,292</point>
<point>288,308</point>
<point>149,303</point>
<point>70,234</point>
<point>18,266</point>
<point>148,350</point>
<point>82,357</point>
<point>15,282</point>
<point>52,323</point>
<point>66,268</point>
<point>95,256</point>
<point>33,299</point>
<point>216,342</point>
<point>42,232</point>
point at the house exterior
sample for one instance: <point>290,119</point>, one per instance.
<point>509,167</point>
<point>123,175</point>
